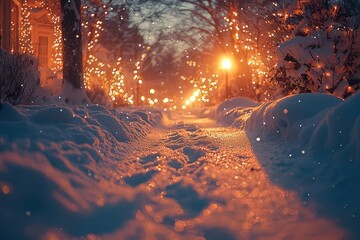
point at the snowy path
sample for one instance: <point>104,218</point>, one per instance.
<point>196,179</point>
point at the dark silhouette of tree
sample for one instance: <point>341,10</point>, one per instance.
<point>121,36</point>
<point>72,45</point>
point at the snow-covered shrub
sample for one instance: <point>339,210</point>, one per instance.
<point>98,95</point>
<point>19,78</point>
<point>50,81</point>
<point>324,54</point>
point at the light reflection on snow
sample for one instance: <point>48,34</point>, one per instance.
<point>214,184</point>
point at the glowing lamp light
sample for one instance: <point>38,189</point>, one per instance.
<point>152,91</point>
<point>226,63</point>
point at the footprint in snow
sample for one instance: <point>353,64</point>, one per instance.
<point>149,158</point>
<point>173,146</point>
<point>193,153</point>
<point>187,127</point>
<point>140,178</point>
<point>188,198</point>
<point>191,128</point>
<point>218,233</point>
<point>175,164</point>
<point>173,137</point>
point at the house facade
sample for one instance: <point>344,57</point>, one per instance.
<point>10,12</point>
<point>41,35</point>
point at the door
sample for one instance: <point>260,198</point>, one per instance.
<point>43,51</point>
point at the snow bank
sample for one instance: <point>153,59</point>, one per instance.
<point>58,161</point>
<point>232,112</point>
<point>319,122</point>
<point>234,103</point>
<point>228,111</point>
<point>310,143</point>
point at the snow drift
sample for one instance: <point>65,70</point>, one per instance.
<point>59,161</point>
<point>309,143</point>
<point>319,122</point>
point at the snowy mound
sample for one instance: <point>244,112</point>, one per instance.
<point>310,143</point>
<point>58,160</point>
<point>336,130</point>
<point>319,122</point>
<point>227,112</point>
<point>235,103</point>
<point>284,116</point>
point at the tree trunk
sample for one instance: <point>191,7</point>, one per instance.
<point>72,49</point>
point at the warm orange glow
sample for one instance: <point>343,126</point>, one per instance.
<point>226,63</point>
<point>5,189</point>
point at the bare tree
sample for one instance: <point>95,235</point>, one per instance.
<point>72,45</point>
<point>94,13</point>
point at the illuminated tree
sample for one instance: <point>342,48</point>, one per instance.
<point>26,45</point>
<point>323,55</point>
<point>242,29</point>
<point>93,14</point>
<point>114,48</point>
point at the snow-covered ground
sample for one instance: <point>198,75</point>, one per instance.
<point>308,143</point>
<point>54,162</point>
<point>87,172</point>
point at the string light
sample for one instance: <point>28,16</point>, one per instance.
<point>26,45</point>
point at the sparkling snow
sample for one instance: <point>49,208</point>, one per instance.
<point>87,172</point>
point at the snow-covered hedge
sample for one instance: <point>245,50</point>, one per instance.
<point>19,78</point>
<point>323,55</point>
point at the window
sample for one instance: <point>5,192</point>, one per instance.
<point>43,51</point>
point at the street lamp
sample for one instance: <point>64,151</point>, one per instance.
<point>138,83</point>
<point>226,64</point>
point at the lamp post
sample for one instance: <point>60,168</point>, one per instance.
<point>137,92</point>
<point>226,64</point>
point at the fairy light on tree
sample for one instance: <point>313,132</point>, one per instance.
<point>26,45</point>
<point>137,78</point>
<point>322,58</point>
<point>92,27</point>
<point>253,37</point>
<point>57,45</point>
<point>203,84</point>
<point>116,91</point>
